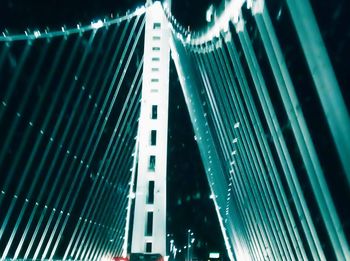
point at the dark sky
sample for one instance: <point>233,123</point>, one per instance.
<point>17,15</point>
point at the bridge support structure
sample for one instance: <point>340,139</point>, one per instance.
<point>149,226</point>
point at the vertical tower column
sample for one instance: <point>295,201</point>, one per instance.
<point>149,226</point>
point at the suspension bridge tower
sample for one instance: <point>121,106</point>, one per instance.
<point>149,226</point>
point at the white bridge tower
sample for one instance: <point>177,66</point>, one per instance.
<point>149,226</point>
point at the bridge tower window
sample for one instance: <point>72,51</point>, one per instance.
<point>148,247</point>
<point>149,227</point>
<point>152,163</point>
<point>156,25</point>
<point>153,137</point>
<point>150,199</point>
<point>154,112</point>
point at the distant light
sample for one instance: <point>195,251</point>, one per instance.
<point>210,14</point>
<point>166,5</point>
<point>214,255</point>
<point>258,7</point>
<point>157,8</point>
<point>37,34</point>
<point>106,258</point>
<point>279,14</point>
<point>97,25</point>
<point>140,10</point>
<point>132,195</point>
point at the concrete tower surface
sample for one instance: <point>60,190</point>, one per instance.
<point>149,226</point>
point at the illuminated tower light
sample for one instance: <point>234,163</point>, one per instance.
<point>37,34</point>
<point>257,6</point>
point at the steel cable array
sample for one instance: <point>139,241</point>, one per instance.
<point>69,116</point>
<point>271,189</point>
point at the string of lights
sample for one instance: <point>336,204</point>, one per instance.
<point>65,32</point>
